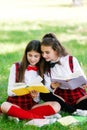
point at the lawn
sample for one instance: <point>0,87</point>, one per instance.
<point>15,33</point>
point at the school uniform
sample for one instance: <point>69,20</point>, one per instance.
<point>25,101</point>
<point>63,70</point>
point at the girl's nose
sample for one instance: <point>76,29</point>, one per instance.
<point>44,55</point>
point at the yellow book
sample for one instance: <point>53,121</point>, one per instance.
<point>22,89</point>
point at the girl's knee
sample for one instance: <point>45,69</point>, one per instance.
<point>56,106</point>
<point>5,106</point>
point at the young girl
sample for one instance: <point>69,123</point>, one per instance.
<point>23,107</point>
<point>57,64</point>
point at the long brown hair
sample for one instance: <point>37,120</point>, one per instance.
<point>32,45</point>
<point>50,39</point>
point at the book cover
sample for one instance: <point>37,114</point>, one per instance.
<point>22,89</point>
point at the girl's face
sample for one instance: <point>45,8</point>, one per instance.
<point>33,57</point>
<point>48,53</point>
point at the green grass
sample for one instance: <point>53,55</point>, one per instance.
<point>14,36</point>
<point>13,42</point>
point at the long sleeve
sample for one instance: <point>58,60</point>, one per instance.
<point>11,80</point>
<point>47,81</point>
<point>77,67</point>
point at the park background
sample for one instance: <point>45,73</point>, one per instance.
<point>24,20</point>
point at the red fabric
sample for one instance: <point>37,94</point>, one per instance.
<point>0,110</point>
<point>17,70</point>
<point>38,112</point>
<point>25,101</point>
<point>70,96</point>
<point>32,68</point>
<point>43,110</point>
<point>71,63</point>
<point>22,114</point>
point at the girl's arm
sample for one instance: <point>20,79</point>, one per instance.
<point>11,80</point>
<point>47,82</point>
<point>77,67</point>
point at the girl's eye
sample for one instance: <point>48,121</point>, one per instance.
<point>47,52</point>
<point>29,55</point>
<point>36,56</point>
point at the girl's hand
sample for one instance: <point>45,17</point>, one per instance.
<point>84,86</point>
<point>34,94</point>
<point>55,85</point>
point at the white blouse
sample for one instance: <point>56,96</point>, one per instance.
<point>62,70</point>
<point>28,78</point>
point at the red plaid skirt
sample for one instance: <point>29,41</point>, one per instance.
<point>70,96</point>
<point>25,101</point>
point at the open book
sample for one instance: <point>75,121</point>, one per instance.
<point>64,121</point>
<point>71,120</point>
<point>22,89</point>
<point>72,82</point>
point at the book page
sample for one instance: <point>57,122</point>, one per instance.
<point>71,76</point>
<point>71,83</point>
<point>36,80</point>
<point>77,82</point>
<point>19,85</point>
<point>72,120</point>
<point>67,120</point>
